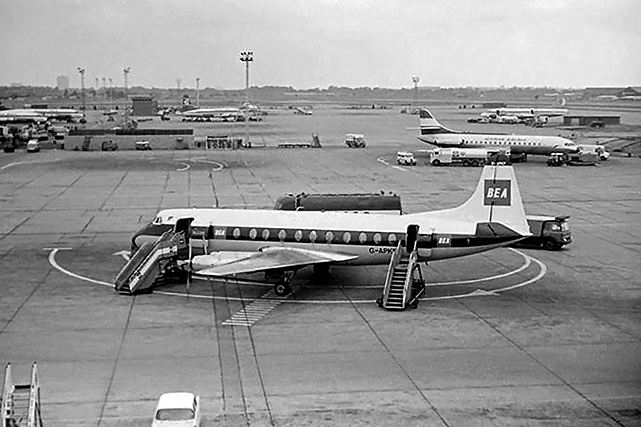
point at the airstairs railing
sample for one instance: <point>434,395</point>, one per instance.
<point>394,260</point>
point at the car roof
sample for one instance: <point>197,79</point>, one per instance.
<point>548,217</point>
<point>175,400</point>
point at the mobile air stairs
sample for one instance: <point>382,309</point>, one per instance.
<point>404,284</point>
<point>21,402</point>
<point>153,260</point>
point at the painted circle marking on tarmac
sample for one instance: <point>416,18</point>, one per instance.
<point>475,293</point>
<point>382,160</point>
<point>527,262</point>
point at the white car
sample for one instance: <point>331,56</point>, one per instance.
<point>177,410</point>
<point>33,146</point>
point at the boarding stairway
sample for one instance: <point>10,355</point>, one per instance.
<point>152,260</point>
<point>404,283</point>
<point>21,402</point>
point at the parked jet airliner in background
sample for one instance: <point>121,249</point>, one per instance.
<point>39,115</point>
<point>530,113</point>
<point>432,132</point>
<point>208,114</point>
<point>250,241</point>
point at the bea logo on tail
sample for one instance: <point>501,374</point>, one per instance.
<point>497,192</point>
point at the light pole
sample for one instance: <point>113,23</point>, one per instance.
<point>415,80</point>
<point>197,92</point>
<point>247,56</point>
<point>110,92</point>
<point>126,71</point>
<point>82,90</point>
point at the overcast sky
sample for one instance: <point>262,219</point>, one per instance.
<point>317,43</point>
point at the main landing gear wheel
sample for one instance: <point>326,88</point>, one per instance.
<point>282,289</point>
<point>284,286</point>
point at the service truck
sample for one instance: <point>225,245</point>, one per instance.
<point>355,140</point>
<point>548,232</point>
<point>582,158</point>
<point>463,156</point>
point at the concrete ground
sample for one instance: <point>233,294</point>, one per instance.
<point>556,342</point>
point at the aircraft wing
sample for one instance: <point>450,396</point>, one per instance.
<point>275,258</point>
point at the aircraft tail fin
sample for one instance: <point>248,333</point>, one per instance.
<point>497,199</point>
<point>429,125</point>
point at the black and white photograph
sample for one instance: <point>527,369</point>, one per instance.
<point>320,213</point>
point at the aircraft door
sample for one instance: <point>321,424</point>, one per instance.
<point>411,237</point>
<point>184,225</point>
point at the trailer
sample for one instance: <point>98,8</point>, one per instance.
<point>464,156</point>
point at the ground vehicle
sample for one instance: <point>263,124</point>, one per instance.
<point>109,145</point>
<point>177,410</point>
<point>464,156</point>
<point>6,140</point>
<point>405,158</point>
<point>355,140</point>
<point>573,159</point>
<point>549,232</point>
<point>598,150</point>
<point>143,145</point>
<point>33,146</point>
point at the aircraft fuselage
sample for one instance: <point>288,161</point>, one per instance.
<point>528,144</point>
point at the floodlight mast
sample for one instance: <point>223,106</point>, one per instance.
<point>415,80</point>
<point>246,56</point>
<point>197,92</point>
<point>110,82</point>
<point>126,72</point>
<point>81,70</point>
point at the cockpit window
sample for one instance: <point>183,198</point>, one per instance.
<point>553,226</point>
<point>424,114</point>
<point>158,220</point>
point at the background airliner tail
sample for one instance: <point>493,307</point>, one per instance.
<point>429,125</point>
<point>497,199</point>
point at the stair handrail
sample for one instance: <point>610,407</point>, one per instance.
<point>409,277</point>
<point>135,265</point>
<point>34,397</point>
<point>394,260</point>
<point>7,391</point>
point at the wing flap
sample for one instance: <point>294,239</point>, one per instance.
<point>276,258</point>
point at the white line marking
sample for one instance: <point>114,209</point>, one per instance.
<point>399,168</point>
<point>58,249</point>
<point>220,166</point>
<point>477,292</point>
<point>54,263</point>
<point>12,164</point>
<point>184,168</point>
<point>124,254</point>
<point>382,160</point>
<point>249,315</point>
